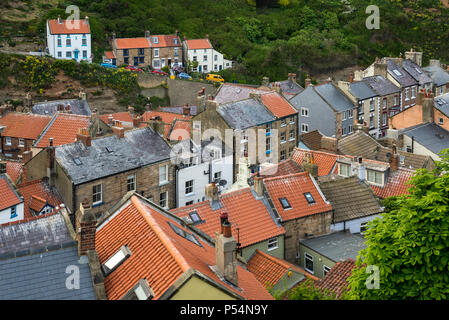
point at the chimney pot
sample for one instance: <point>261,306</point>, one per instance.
<point>227,231</point>
<point>307,82</point>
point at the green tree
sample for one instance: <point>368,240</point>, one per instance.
<point>410,244</point>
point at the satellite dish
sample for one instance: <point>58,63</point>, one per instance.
<point>222,183</point>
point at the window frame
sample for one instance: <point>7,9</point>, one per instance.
<point>272,244</point>
<point>134,182</point>
<point>188,189</point>
<point>306,255</point>
<point>166,199</point>
<point>94,193</point>
<point>165,181</point>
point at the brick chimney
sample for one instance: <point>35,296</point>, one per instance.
<point>211,104</point>
<point>51,169</point>
<point>307,82</point>
<point>136,121</point>
<point>351,77</point>
<point>84,137</point>
<point>119,131</point>
<point>26,156</point>
<point>292,77</point>
<point>380,68</point>
<point>394,159</point>
<point>212,192</point>
<point>186,110</point>
<point>86,226</point>
<point>258,185</point>
<point>427,107</point>
<point>225,252</point>
<point>309,165</point>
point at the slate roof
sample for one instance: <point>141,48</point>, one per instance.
<point>381,85</point>
<point>269,270</point>
<point>8,195</point>
<point>230,92</point>
<point>49,108</point>
<point>22,125</point>
<point>416,72</point>
<point>337,246</point>
<point>256,225</point>
<point>68,26</point>
<point>438,75</point>
<point>42,190</point>
<point>429,135</point>
<point>139,147</point>
<point>350,199</point>
<point>293,187</point>
<point>362,144</point>
<point>289,87</point>
<point>245,114</point>
<point>159,254</point>
<point>395,185</point>
<point>334,97</point>
<point>404,79</point>
<point>63,128</point>
<point>441,103</point>
<point>179,110</point>
<point>361,90</point>
<point>336,280</point>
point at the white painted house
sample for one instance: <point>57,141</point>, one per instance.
<point>201,51</point>
<point>69,39</point>
<point>197,168</point>
<point>11,202</point>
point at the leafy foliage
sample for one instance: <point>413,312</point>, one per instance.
<point>307,291</point>
<point>410,244</point>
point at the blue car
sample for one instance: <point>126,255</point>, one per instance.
<point>108,65</point>
<point>184,75</point>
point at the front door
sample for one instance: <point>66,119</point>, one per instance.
<point>76,53</point>
<point>136,61</point>
<point>169,62</point>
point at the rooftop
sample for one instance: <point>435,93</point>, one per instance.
<point>245,114</point>
<point>439,76</point>
<point>361,90</point>
<point>416,72</point>
<point>381,85</point>
<point>441,103</point>
<point>334,97</point>
<point>8,195</point>
<point>140,225</point>
<point>256,225</point>
<point>14,169</point>
<point>430,135</point>
<point>350,199</point>
<point>132,43</point>
<point>336,280</point>
<point>23,125</point>
<point>301,193</point>
<point>38,193</point>
<point>325,161</point>
<point>139,147</point>
<point>230,92</point>
<point>49,108</point>
<point>337,246</point>
<point>396,183</point>
<point>163,41</point>
<point>125,118</point>
<point>193,44</point>
<point>399,74</point>
<point>63,128</point>
<point>277,104</point>
<point>289,87</point>
<point>69,26</point>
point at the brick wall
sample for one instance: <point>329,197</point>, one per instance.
<point>14,149</point>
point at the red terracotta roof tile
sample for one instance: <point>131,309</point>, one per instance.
<point>277,104</point>
<point>325,161</point>
<point>255,225</point>
<point>63,129</point>
<point>198,44</point>
<point>40,191</point>
<point>37,203</point>
<point>8,196</point>
<point>165,41</point>
<point>158,254</point>
<point>14,169</point>
<point>336,279</point>
<point>119,116</point>
<point>132,43</point>
<point>292,187</point>
<point>22,125</point>
<point>166,117</point>
<point>180,130</point>
<point>281,169</point>
<point>269,270</point>
<point>396,184</point>
<point>69,27</point>
<point>109,54</point>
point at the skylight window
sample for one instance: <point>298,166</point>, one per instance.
<point>77,161</point>
<point>195,217</point>
<point>396,72</point>
<point>141,291</point>
<point>185,234</point>
<point>309,197</point>
<point>285,204</point>
<point>418,70</point>
<point>116,260</point>
<point>109,149</point>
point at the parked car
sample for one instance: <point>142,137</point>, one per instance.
<point>131,68</point>
<point>214,77</point>
<point>184,75</point>
<point>160,72</point>
<point>108,65</point>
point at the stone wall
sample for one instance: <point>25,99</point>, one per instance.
<point>186,91</point>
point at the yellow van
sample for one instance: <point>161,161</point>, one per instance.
<point>214,77</point>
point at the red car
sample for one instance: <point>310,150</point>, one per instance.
<point>131,68</point>
<point>160,72</point>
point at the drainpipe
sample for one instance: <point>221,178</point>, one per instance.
<point>413,144</point>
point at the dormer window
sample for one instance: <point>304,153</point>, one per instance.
<point>185,234</point>
<point>155,40</point>
<point>309,197</point>
<point>375,177</point>
<point>344,169</point>
<point>116,260</point>
<point>141,291</point>
<point>285,204</point>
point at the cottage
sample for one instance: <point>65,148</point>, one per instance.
<point>202,57</point>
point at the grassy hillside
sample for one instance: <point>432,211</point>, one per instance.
<point>315,36</point>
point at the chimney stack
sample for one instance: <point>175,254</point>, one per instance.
<point>258,185</point>
<point>351,77</point>
<point>84,137</point>
<point>225,253</point>
<point>292,77</point>
<point>147,33</point>
<point>212,192</point>
<point>394,159</point>
<point>201,100</point>
<point>86,19</point>
<point>119,131</point>
<point>51,171</point>
<point>136,121</point>
<point>86,226</point>
<point>211,104</point>
<point>59,19</point>
<point>265,82</point>
<point>186,110</point>
<point>307,82</point>
<point>26,156</point>
<point>309,165</point>
<point>427,107</point>
<point>113,36</point>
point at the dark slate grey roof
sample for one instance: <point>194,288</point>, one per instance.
<point>381,85</point>
<point>245,114</point>
<point>334,97</point>
<point>179,110</point>
<point>48,108</point>
<point>42,276</point>
<point>308,97</point>
<point>429,135</point>
<point>403,77</point>
<point>416,72</point>
<point>438,75</point>
<point>289,86</point>
<point>139,147</point>
<point>361,90</point>
<point>442,103</point>
<point>337,246</point>
<point>230,92</point>
<point>34,234</point>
